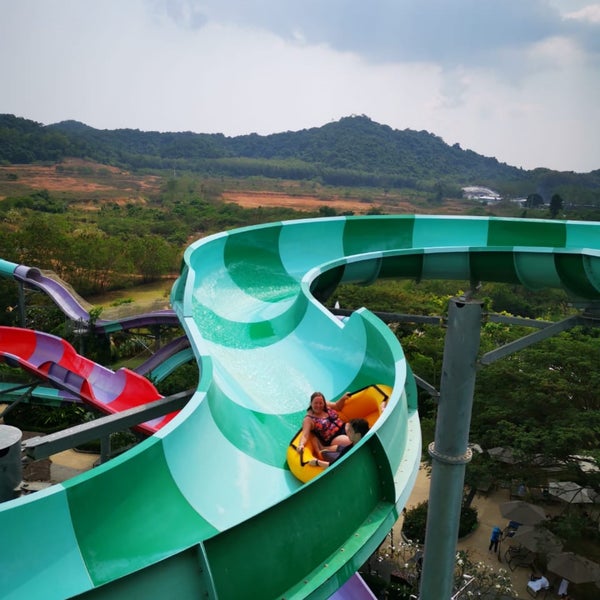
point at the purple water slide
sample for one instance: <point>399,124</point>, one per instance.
<point>59,294</point>
<point>173,347</point>
<point>73,309</point>
<point>160,317</point>
<point>354,589</point>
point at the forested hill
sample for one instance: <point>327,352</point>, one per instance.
<point>354,151</point>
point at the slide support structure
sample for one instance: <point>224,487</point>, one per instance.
<point>449,452</point>
<point>21,292</point>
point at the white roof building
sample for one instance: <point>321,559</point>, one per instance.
<point>481,194</point>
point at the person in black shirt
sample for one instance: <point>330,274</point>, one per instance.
<point>356,429</point>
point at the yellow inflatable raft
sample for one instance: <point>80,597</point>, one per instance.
<point>366,403</point>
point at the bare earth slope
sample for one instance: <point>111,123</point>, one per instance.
<point>90,184</point>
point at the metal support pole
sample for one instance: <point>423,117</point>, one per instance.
<point>449,451</point>
<point>156,331</point>
<point>21,292</point>
<point>104,448</point>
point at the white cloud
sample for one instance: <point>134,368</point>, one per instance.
<point>516,80</point>
<point>590,14</point>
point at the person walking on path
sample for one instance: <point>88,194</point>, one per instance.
<point>495,538</point>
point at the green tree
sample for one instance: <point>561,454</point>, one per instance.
<point>556,205</point>
<point>542,401</point>
<point>534,201</point>
<point>152,257</point>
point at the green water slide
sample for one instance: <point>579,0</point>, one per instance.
<point>207,507</point>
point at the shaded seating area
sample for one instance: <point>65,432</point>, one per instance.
<point>540,587</point>
<point>518,556</point>
<point>518,490</point>
<point>510,530</point>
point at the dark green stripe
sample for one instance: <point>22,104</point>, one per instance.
<point>261,435</point>
<point>572,272</point>
<point>377,234</point>
<point>524,232</point>
<point>409,266</point>
<point>379,368</point>
<point>326,283</point>
<point>253,263</point>
<point>132,516</point>
<point>493,266</point>
<point>234,334</point>
<point>250,557</point>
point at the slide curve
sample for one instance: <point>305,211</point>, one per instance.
<point>73,307</point>
<point>55,360</point>
<point>207,505</point>
<point>156,368</point>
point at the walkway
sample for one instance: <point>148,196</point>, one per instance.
<point>477,543</point>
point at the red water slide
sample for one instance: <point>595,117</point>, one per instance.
<point>56,361</point>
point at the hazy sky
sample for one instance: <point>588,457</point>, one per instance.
<point>514,79</point>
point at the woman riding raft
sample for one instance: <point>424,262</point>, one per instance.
<point>322,426</point>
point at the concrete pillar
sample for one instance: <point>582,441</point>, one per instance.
<point>11,468</point>
<point>449,451</point>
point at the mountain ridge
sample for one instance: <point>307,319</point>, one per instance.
<point>354,151</point>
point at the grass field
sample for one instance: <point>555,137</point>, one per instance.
<point>142,294</point>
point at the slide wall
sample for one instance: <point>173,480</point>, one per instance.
<point>207,505</point>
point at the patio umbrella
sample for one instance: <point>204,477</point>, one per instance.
<point>574,567</point>
<point>522,512</point>
<point>537,539</point>
<point>571,492</point>
<point>505,455</point>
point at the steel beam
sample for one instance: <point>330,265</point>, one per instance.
<point>44,446</point>
<point>528,340</point>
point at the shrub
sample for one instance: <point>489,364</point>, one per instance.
<point>45,419</point>
<point>415,521</point>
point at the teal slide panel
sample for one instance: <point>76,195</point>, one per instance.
<point>181,577</point>
<point>363,270</point>
<point>449,232</point>
<point>446,265</point>
<point>582,234</point>
<point>7,268</point>
<point>537,270</point>
<point>324,286</point>
<point>207,504</point>
<point>259,429</point>
<point>380,367</point>
<point>30,562</point>
<point>315,241</point>
<point>239,334</point>
<point>222,501</point>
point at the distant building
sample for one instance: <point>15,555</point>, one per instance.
<point>481,194</point>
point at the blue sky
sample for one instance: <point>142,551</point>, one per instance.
<point>514,79</point>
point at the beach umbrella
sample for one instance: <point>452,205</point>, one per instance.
<point>537,539</point>
<point>522,512</point>
<point>505,455</point>
<point>574,567</point>
<point>571,492</point>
